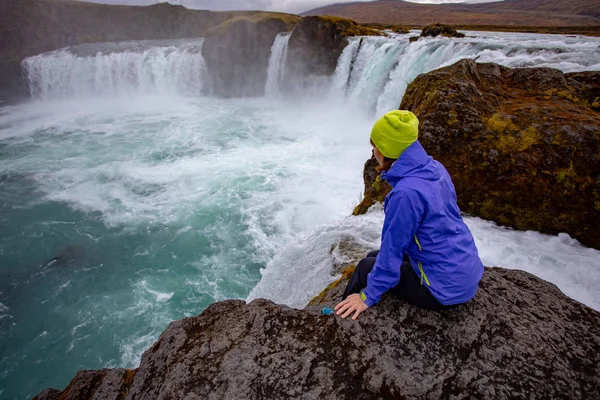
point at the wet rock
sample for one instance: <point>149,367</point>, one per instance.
<point>443,30</point>
<point>316,45</point>
<point>522,145</point>
<point>519,337</point>
<point>237,53</point>
<point>67,256</point>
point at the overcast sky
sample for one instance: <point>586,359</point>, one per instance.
<point>291,6</point>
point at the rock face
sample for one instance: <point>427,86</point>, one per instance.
<point>237,53</point>
<point>317,43</point>
<point>519,338</point>
<point>443,30</point>
<point>522,145</point>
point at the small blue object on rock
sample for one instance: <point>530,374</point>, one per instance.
<point>327,311</point>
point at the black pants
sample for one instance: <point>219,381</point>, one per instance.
<point>408,289</point>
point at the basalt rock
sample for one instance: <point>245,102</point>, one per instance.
<point>519,338</point>
<point>237,53</point>
<point>522,145</point>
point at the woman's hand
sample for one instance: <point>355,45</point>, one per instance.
<point>353,303</point>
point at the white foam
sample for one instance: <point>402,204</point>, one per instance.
<point>160,296</point>
<point>302,269</point>
<point>575,269</point>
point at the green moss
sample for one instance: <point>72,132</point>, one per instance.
<point>322,297</point>
<point>596,104</point>
<point>500,123</point>
<point>569,96</point>
<point>380,189</point>
<point>453,117</point>
<point>349,27</point>
<point>567,177</point>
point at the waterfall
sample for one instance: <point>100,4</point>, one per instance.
<point>344,66</point>
<point>111,69</point>
<point>277,62</point>
<point>374,72</point>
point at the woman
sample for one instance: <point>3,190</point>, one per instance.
<point>428,256</point>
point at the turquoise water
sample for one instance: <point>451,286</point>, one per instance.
<point>159,207</point>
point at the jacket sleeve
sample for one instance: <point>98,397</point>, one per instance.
<point>402,218</point>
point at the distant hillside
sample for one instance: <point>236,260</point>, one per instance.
<point>504,13</point>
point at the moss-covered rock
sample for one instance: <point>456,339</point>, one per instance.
<point>237,52</point>
<point>443,30</point>
<point>522,145</point>
<point>375,188</point>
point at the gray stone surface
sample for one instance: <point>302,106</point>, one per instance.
<point>519,338</point>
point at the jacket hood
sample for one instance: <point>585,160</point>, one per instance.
<point>413,162</point>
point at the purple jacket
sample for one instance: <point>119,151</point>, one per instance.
<point>422,220</point>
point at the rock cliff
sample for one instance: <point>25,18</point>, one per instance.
<point>519,338</point>
<point>522,145</point>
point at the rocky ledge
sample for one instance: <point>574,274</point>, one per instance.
<point>519,338</point>
<point>522,145</point>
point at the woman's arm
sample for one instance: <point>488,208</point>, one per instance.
<point>403,215</point>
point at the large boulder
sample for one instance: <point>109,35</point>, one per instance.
<point>522,145</point>
<point>519,338</point>
<point>237,53</point>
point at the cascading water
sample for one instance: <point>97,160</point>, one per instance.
<point>277,62</point>
<point>128,199</point>
<point>118,69</point>
<point>374,72</point>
